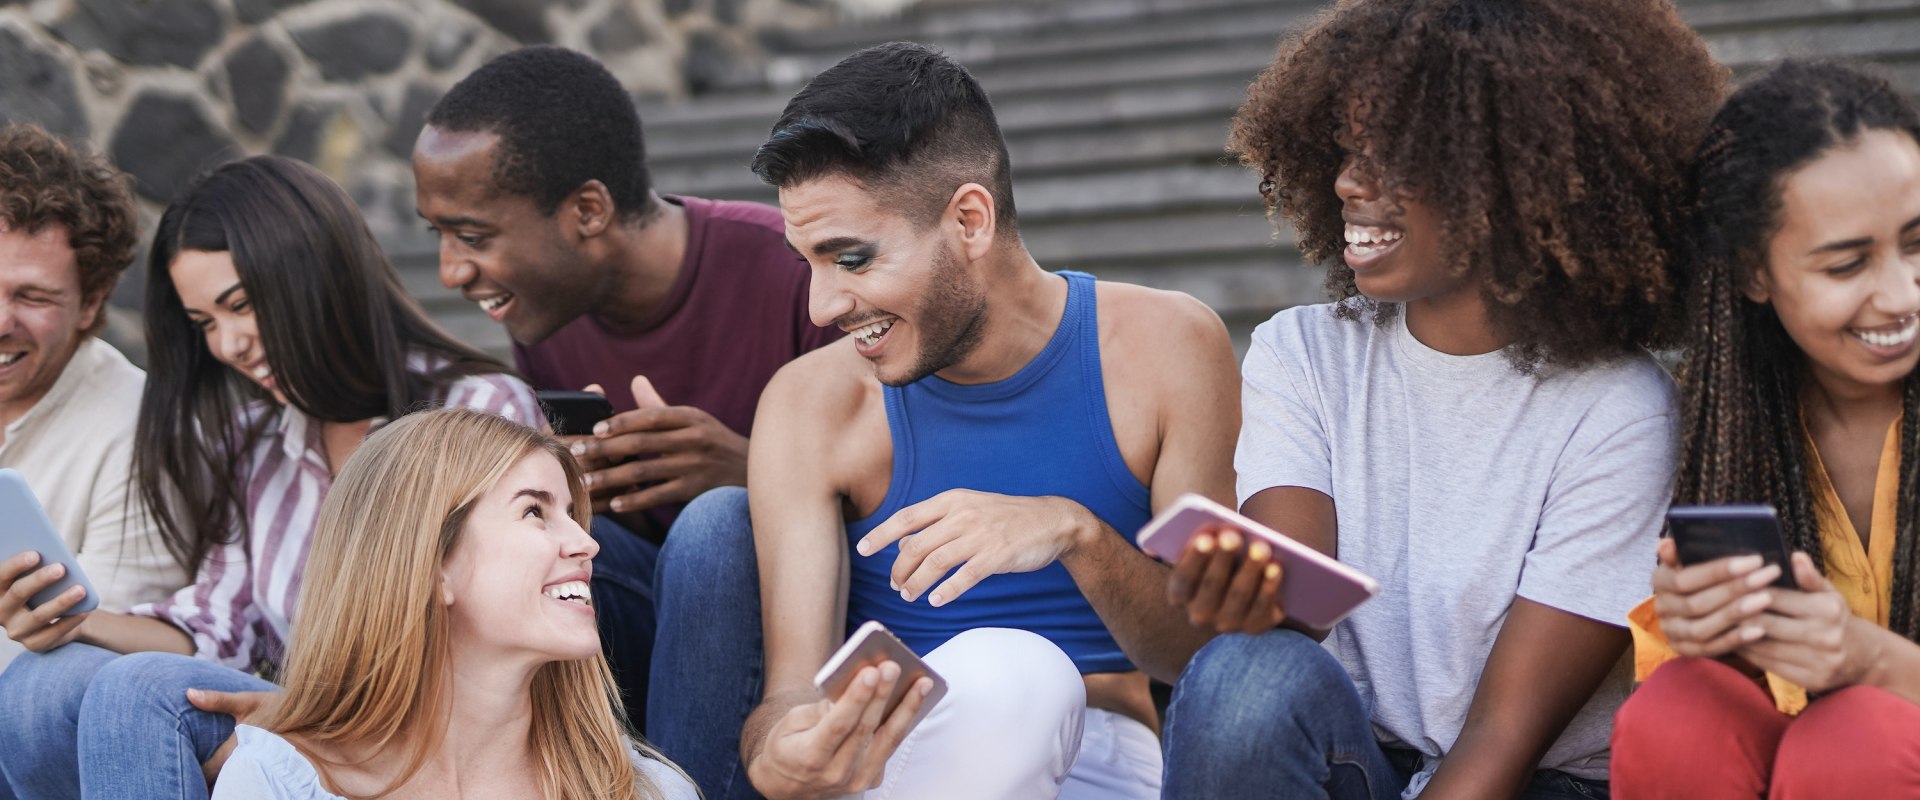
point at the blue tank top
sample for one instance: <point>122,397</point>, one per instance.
<point>1041,432</point>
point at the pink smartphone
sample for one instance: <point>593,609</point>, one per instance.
<point>871,644</point>
<point>1314,588</point>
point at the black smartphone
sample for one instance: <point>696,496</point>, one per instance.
<point>573,413</point>
<point>1706,533</point>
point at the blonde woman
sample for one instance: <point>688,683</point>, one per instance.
<point>446,644</point>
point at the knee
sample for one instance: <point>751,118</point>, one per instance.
<point>1242,688</point>
<point>140,681</point>
<point>710,545</point>
<point>1856,742</point>
<point>1010,674</point>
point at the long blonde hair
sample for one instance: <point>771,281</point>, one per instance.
<point>369,666</point>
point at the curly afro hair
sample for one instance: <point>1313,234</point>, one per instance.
<point>45,181</point>
<point>1550,137</point>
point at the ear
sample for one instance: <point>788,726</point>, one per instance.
<point>589,210</point>
<point>446,590</point>
<point>1759,287</point>
<point>90,309</point>
<point>970,215</point>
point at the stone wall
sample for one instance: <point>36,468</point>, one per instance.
<point>170,87</point>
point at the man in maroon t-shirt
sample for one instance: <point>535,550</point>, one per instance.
<point>532,170</point>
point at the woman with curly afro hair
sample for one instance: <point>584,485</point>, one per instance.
<point>1800,391</point>
<point>1475,422</point>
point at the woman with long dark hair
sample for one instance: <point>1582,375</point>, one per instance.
<point>279,336</point>
<point>1799,390</point>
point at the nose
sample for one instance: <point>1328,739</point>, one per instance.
<point>1899,291</point>
<point>7,317</point>
<point>234,343</point>
<point>579,543</point>
<point>1353,184</point>
<point>455,272</point>
<point>826,299</point>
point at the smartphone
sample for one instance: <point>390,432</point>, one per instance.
<point>871,644</point>
<point>27,528</point>
<point>1315,589</point>
<point>1706,533</point>
<point>573,413</point>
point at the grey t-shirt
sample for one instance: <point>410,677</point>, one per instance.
<point>1459,483</point>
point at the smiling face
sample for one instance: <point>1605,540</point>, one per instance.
<point>217,305</point>
<point>1843,272</point>
<point>899,289</point>
<point>43,315</point>
<point>496,248</point>
<point>517,578</point>
<point>1393,243</point>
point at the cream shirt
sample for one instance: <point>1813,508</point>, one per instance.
<point>75,448</point>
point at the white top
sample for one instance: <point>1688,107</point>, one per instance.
<point>75,449</point>
<point>1460,483</point>
<point>264,766</point>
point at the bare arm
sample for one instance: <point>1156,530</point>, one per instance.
<point>1184,364</point>
<point>1546,663</point>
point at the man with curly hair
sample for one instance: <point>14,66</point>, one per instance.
<point>68,399</point>
<point>1475,421</point>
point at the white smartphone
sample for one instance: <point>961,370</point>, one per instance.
<point>27,528</point>
<point>1315,589</point>
<point>871,644</point>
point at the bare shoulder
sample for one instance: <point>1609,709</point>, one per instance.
<point>826,388</point>
<point>1160,326</point>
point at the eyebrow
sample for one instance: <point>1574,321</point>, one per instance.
<point>836,244</point>
<point>451,221</point>
<point>540,495</point>
<point>222,299</point>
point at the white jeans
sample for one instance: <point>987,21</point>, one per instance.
<point>1015,725</point>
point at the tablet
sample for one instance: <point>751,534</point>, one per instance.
<point>27,528</point>
<point>1315,589</point>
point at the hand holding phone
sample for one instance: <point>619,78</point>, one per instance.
<point>870,645</point>
<point>37,561</point>
<point>1709,533</point>
<point>1314,589</point>
<point>1710,585</point>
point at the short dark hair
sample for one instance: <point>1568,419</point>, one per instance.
<point>562,119</point>
<point>900,118</point>
<point>1553,136</point>
<point>45,181</point>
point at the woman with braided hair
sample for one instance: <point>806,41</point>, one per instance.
<point>1799,390</point>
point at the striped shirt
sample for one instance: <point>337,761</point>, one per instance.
<point>239,608</point>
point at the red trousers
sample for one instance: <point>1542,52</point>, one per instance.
<point>1699,730</point>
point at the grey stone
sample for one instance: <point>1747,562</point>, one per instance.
<point>252,11</point>
<point>413,115</point>
<point>38,88</point>
<point>619,31</point>
<point>165,140</point>
<point>257,76</point>
<point>177,32</point>
<point>710,65</point>
<point>306,127</point>
<point>347,50</point>
<point>525,22</point>
<point>727,12</point>
<point>446,45</point>
<point>676,8</point>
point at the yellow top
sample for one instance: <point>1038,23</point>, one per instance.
<point>1864,578</point>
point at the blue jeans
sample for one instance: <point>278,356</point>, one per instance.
<point>708,664</point>
<point>81,721</point>
<point>623,605</point>
<point>1275,715</point>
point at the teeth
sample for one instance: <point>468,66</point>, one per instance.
<point>491,303</point>
<point>872,333</point>
<point>1357,235</point>
<point>1908,327</point>
<point>571,591</point>
<point>260,373</point>
<point>8,359</point>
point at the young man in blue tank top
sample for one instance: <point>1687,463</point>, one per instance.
<point>968,467</point>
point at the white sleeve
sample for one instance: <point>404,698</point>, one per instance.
<point>1283,441</point>
<point>1593,554</point>
<point>244,777</point>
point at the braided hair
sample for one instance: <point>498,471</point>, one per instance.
<point>1743,440</point>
